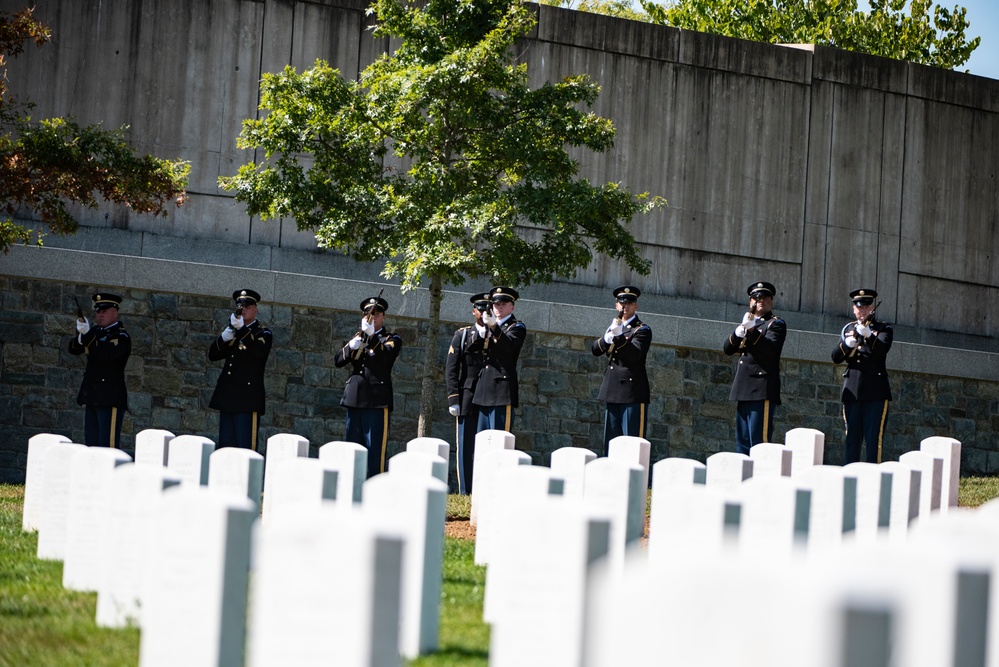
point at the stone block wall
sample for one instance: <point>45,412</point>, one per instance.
<point>170,383</point>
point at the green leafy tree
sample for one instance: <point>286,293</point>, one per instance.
<point>624,9</point>
<point>47,164</point>
<point>440,160</point>
<point>928,34</point>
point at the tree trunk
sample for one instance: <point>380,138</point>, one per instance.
<point>431,365</point>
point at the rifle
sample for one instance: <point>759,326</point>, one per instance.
<point>364,337</point>
<point>866,321</point>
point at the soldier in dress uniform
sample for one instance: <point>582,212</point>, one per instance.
<point>107,346</point>
<point>758,340</point>
<point>863,346</point>
<point>368,392</point>
<point>239,393</point>
<point>464,363</point>
<point>625,388</point>
<point>496,393</point>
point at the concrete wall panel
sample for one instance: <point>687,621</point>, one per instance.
<point>933,83</point>
<point>950,214</point>
<point>736,172</point>
<point>740,56</point>
<point>930,303</point>
<point>812,165</point>
<point>852,258</point>
<point>858,69</point>
<point>608,34</point>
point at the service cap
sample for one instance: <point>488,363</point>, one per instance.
<point>374,303</point>
<point>501,293</point>
<point>761,289</point>
<point>627,294</point>
<point>247,297</point>
<point>480,300</point>
<point>863,297</point>
<point>104,300</point>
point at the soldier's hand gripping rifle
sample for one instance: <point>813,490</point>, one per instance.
<point>369,316</point>
<point>752,311</point>
<point>865,321</point>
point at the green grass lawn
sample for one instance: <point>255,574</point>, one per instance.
<point>42,624</point>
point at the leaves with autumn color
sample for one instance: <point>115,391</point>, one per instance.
<point>46,165</point>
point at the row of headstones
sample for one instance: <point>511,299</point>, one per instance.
<point>766,559</point>
<point>523,522</point>
<point>344,570</point>
<point>780,496</point>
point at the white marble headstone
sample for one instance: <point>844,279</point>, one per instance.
<point>808,447</point>
<point>550,550</point>
<point>728,470</point>
<point>326,591</point>
<point>89,509</point>
<point>485,442</point>
<point>441,448</point>
<point>280,447</point>
<point>833,505</point>
<point>905,494</point>
<point>152,447</point>
<point>489,493</point>
<point>414,462</point>
<point>873,498</point>
<point>414,507</point>
<point>614,489</point>
<point>690,518</point>
<point>520,486</point>
<point>33,475</point>
<point>656,615</point>
<point>771,459</point>
<point>949,450</point>
<point>931,479</point>
<point>631,449</point>
<point>194,600</point>
<point>299,482</point>
<point>774,518</point>
<point>57,459</point>
<point>350,460</point>
<point>237,471</point>
<point>134,492</point>
<point>189,455</point>
<point>569,464</point>
<point>966,541</point>
<point>676,471</point>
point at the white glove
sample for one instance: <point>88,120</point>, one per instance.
<point>454,410</point>
<point>481,330</point>
<point>863,330</point>
<point>616,327</point>
<point>235,322</point>
<point>740,331</point>
<point>851,341</point>
<point>489,318</point>
<point>83,325</point>
<point>228,334</point>
<point>367,327</point>
<point>354,342</point>
<point>750,321</point>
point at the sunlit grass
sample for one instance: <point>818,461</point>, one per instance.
<point>974,491</point>
<point>41,623</point>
